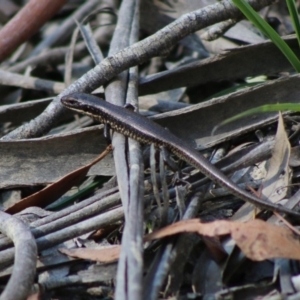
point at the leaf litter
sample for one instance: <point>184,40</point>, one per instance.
<point>194,70</point>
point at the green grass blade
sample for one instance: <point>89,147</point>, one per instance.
<point>66,201</point>
<point>267,30</point>
<point>251,15</point>
<point>261,109</point>
<point>295,17</point>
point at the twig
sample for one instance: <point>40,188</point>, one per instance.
<point>132,240</point>
<point>115,93</point>
<point>27,82</point>
<point>217,30</point>
<point>65,29</point>
<point>93,47</point>
<point>52,239</point>
<point>21,280</point>
<point>55,56</point>
<point>167,256</point>
<point>71,215</point>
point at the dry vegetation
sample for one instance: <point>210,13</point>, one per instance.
<point>87,224</point>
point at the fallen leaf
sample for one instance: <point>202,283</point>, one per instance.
<point>56,189</point>
<point>44,160</point>
<point>278,177</point>
<point>257,239</point>
<point>104,255</point>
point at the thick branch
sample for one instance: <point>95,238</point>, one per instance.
<point>26,23</point>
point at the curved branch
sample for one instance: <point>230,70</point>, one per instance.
<point>21,280</point>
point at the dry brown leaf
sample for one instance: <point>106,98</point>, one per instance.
<point>277,180</point>
<point>56,189</point>
<point>104,255</point>
<point>257,239</point>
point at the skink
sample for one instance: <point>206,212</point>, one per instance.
<point>137,127</point>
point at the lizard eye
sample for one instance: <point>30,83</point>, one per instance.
<point>67,100</point>
<point>72,102</point>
